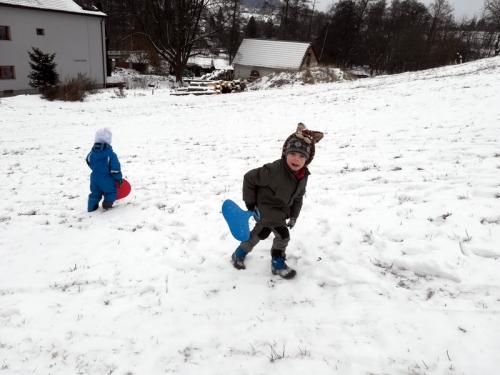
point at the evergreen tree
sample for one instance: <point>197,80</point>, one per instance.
<point>251,30</point>
<point>269,29</point>
<point>43,67</point>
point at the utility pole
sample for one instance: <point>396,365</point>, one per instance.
<point>310,22</point>
<point>324,41</point>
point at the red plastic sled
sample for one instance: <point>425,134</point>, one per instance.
<point>124,190</point>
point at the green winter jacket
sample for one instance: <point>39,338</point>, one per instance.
<point>275,191</point>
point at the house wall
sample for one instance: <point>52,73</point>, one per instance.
<point>243,71</point>
<point>77,40</point>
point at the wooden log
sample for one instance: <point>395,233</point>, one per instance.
<point>183,93</point>
<point>193,80</point>
<point>194,88</point>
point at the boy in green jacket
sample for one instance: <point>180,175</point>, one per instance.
<point>275,191</point>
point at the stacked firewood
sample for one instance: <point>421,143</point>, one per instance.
<point>205,87</point>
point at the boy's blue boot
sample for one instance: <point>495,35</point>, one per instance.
<point>238,258</point>
<point>280,268</point>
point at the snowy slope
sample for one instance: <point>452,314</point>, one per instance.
<point>397,246</point>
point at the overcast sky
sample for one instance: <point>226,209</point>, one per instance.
<point>462,8</point>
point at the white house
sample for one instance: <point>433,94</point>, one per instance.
<point>260,57</point>
<point>62,27</point>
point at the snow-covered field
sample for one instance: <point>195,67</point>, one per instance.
<point>397,248</point>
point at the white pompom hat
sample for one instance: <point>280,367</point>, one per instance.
<point>103,136</point>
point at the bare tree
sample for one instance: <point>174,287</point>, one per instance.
<point>284,19</point>
<point>375,37</point>
<point>172,26</point>
<point>408,23</point>
<point>441,13</point>
<point>235,29</point>
<point>345,29</point>
<point>492,10</point>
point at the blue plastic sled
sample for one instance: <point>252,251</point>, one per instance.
<point>237,219</point>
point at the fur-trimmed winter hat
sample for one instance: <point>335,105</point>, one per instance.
<point>296,144</point>
<point>103,136</point>
<point>302,141</point>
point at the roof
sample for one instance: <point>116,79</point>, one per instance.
<point>271,53</point>
<point>206,62</point>
<point>67,6</point>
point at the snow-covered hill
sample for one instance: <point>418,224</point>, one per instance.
<point>397,248</point>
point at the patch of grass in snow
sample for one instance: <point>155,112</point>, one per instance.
<point>303,352</point>
<point>274,354</point>
<point>28,213</point>
<point>76,285</point>
<point>405,198</point>
<point>439,219</point>
<point>490,220</point>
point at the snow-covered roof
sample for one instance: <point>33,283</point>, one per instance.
<point>206,62</point>
<point>55,5</point>
<point>271,53</point>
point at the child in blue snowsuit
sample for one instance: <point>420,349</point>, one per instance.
<point>106,171</point>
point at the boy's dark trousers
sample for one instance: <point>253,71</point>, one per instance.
<point>261,232</point>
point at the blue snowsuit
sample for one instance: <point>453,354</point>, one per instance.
<point>105,171</point>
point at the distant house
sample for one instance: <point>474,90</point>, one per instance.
<point>137,60</point>
<point>259,57</point>
<point>62,27</point>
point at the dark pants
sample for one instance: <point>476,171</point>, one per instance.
<point>261,232</point>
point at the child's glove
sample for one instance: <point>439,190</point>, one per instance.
<point>250,206</point>
<point>120,183</point>
<point>256,214</point>
<point>291,222</point>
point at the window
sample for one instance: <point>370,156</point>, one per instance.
<point>4,33</point>
<point>254,74</point>
<point>7,72</point>
<point>40,31</point>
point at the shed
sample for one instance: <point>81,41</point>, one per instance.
<point>260,57</point>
